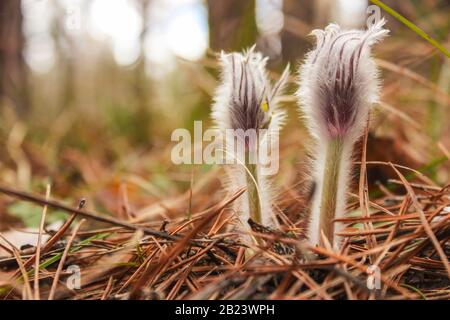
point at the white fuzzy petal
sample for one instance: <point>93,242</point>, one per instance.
<point>338,81</point>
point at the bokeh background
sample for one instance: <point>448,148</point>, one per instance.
<point>90,91</point>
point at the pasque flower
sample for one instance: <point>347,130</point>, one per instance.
<point>338,84</point>
<point>247,102</point>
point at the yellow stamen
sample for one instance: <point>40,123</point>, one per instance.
<point>265,106</point>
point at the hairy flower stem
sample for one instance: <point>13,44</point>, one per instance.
<point>253,197</point>
<point>329,196</point>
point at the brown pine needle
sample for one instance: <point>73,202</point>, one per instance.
<point>63,260</point>
<point>424,221</point>
<point>38,247</point>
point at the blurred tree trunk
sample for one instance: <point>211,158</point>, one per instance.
<point>232,24</point>
<point>12,67</point>
<point>65,50</point>
<point>298,19</point>
<point>141,82</point>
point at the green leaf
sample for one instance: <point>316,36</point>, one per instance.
<point>30,214</point>
<point>75,248</point>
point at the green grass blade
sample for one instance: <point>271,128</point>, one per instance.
<point>414,289</point>
<point>75,248</point>
<point>412,26</point>
<point>57,257</point>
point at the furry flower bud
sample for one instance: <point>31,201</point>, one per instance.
<point>246,103</point>
<point>339,81</point>
<point>338,84</point>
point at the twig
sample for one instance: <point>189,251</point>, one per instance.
<point>108,289</point>
<point>27,294</point>
<point>58,235</point>
<point>63,260</point>
<point>51,203</point>
<point>38,247</point>
<point>424,221</point>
